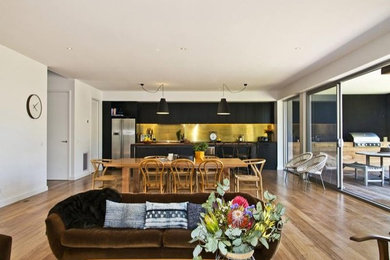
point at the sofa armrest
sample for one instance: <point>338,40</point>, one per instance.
<point>5,247</point>
<point>54,230</point>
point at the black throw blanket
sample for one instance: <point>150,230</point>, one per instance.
<point>85,210</point>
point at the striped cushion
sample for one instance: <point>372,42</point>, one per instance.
<point>124,215</point>
<point>166,215</point>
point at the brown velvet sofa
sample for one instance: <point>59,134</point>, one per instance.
<point>95,243</point>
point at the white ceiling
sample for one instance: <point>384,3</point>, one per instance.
<point>118,44</point>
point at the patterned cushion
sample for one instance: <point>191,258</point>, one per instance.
<point>166,215</point>
<point>125,215</point>
<point>193,211</point>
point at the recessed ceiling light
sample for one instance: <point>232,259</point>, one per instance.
<point>69,48</point>
<point>183,48</point>
<point>297,48</point>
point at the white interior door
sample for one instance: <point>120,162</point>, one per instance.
<point>58,136</point>
<point>95,129</point>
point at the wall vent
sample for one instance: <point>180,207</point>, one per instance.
<point>85,161</point>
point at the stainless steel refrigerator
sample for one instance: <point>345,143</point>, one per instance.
<point>123,135</point>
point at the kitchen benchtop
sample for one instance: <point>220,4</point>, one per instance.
<point>186,144</point>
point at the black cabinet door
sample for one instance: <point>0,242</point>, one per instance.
<point>267,150</point>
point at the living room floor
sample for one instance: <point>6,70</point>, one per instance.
<point>320,222</point>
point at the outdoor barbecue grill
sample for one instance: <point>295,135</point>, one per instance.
<point>363,139</point>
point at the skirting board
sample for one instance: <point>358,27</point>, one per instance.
<point>18,197</point>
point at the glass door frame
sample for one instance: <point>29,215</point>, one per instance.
<point>285,128</point>
<point>339,127</point>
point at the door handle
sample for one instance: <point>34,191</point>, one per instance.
<point>65,141</point>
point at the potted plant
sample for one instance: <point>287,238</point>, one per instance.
<point>199,149</point>
<point>269,131</point>
<point>235,228</point>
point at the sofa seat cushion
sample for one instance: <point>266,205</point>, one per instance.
<point>177,238</point>
<point>111,238</point>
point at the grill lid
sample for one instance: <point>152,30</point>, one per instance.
<point>365,139</point>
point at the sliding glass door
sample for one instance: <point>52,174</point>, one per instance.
<point>323,130</point>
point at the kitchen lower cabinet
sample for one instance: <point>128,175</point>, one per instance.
<point>268,151</point>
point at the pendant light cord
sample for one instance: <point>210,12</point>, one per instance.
<point>153,91</point>
<point>233,91</point>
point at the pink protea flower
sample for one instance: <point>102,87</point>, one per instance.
<point>238,219</point>
<point>241,201</point>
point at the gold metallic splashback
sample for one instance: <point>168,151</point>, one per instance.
<point>201,132</point>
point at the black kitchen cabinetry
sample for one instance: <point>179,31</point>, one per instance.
<point>182,113</point>
<point>267,150</point>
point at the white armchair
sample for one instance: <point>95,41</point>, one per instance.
<point>313,166</point>
<point>291,166</point>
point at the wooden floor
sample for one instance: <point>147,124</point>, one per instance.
<point>320,222</point>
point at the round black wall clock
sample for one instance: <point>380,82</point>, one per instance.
<point>34,106</point>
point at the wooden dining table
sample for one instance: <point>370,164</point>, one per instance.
<point>132,164</point>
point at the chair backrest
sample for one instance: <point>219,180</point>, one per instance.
<point>256,165</point>
<point>98,166</point>
<point>152,172</point>
<point>228,151</point>
<point>243,149</point>
<point>210,173</point>
<point>183,174</point>
<point>314,165</point>
<point>298,160</point>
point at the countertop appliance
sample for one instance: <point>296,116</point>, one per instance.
<point>123,135</point>
<point>363,139</point>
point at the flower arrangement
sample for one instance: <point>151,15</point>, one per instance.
<point>235,226</point>
<point>269,130</point>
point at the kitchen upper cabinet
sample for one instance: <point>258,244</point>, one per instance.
<point>207,113</point>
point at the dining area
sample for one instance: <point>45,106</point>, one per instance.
<point>163,174</point>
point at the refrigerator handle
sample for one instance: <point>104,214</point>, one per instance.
<point>121,138</point>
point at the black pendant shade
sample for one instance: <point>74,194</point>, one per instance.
<point>162,108</point>
<point>223,108</point>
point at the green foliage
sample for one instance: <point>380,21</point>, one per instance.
<point>200,147</point>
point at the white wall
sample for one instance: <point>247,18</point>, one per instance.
<point>57,83</point>
<point>84,94</point>
<point>81,104</point>
<point>23,140</point>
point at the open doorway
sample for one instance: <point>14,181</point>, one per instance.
<point>366,130</point>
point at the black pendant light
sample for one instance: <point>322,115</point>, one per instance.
<point>223,108</point>
<point>162,108</point>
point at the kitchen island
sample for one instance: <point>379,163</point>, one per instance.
<point>266,150</point>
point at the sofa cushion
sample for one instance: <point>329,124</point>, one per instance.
<point>193,211</point>
<point>125,215</point>
<point>111,238</point>
<point>177,238</point>
<point>166,215</point>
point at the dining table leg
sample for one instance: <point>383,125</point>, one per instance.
<point>125,179</point>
